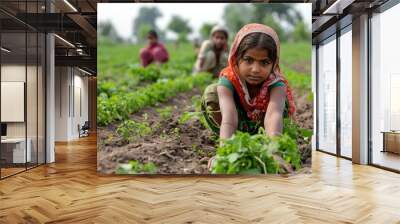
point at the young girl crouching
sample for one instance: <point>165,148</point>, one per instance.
<point>251,91</point>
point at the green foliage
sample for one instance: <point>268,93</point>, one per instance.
<point>187,116</point>
<point>282,11</point>
<point>295,52</point>
<point>297,80</point>
<point>195,115</point>
<point>142,32</point>
<point>310,97</point>
<point>107,88</point>
<point>119,77</point>
<point>301,32</point>
<point>121,104</point>
<point>236,16</point>
<point>130,130</point>
<point>270,21</point>
<point>256,154</point>
<point>106,29</point>
<point>260,154</point>
<point>147,17</point>
<point>165,112</point>
<point>135,167</point>
<point>294,131</point>
<point>180,27</point>
<point>205,30</point>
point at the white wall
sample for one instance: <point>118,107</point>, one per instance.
<point>33,126</point>
<point>14,73</point>
<point>62,81</point>
<point>70,83</point>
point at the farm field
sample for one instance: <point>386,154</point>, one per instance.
<point>150,120</point>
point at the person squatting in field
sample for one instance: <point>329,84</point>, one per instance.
<point>251,91</point>
<point>154,52</point>
<point>213,54</point>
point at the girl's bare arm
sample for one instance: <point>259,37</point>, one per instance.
<point>229,114</point>
<point>273,121</point>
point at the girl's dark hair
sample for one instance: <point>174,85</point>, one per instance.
<point>257,40</point>
<point>152,33</point>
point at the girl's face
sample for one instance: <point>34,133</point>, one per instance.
<point>255,66</point>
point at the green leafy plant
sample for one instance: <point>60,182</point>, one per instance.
<point>187,115</point>
<point>129,129</point>
<point>256,154</point>
<point>293,130</point>
<point>165,112</point>
<point>135,167</point>
<point>121,104</point>
<point>194,115</point>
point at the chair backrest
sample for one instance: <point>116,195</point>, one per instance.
<point>86,125</point>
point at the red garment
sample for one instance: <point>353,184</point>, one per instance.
<point>154,52</point>
<point>257,106</point>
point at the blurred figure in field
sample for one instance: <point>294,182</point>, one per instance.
<point>213,54</point>
<point>154,52</point>
<point>196,46</point>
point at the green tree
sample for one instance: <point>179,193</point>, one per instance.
<point>147,17</point>
<point>180,27</point>
<point>106,29</point>
<point>271,22</point>
<point>283,11</point>
<point>143,31</point>
<point>301,32</point>
<point>236,16</point>
<point>205,30</point>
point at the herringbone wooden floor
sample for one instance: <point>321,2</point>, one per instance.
<point>70,191</point>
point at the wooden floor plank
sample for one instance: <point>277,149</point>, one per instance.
<point>71,191</point>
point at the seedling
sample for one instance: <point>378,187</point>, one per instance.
<point>176,132</point>
<point>130,130</point>
<point>165,112</point>
<point>135,167</point>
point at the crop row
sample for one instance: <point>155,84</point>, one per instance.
<point>119,105</point>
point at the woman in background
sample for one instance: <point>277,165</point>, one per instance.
<point>154,52</point>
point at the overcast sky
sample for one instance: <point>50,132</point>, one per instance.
<point>123,14</point>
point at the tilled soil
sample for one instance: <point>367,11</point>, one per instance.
<point>304,118</point>
<point>174,148</point>
<point>178,148</point>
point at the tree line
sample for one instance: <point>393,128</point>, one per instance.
<point>284,18</point>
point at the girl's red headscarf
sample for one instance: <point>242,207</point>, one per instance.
<point>257,106</point>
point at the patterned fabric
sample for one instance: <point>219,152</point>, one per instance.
<point>211,110</point>
<point>155,52</point>
<point>256,107</point>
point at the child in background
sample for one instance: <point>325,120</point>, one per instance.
<point>154,52</point>
<point>251,91</point>
<point>213,53</point>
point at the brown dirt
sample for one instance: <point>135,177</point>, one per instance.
<point>172,147</point>
<point>304,118</point>
<point>183,152</point>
